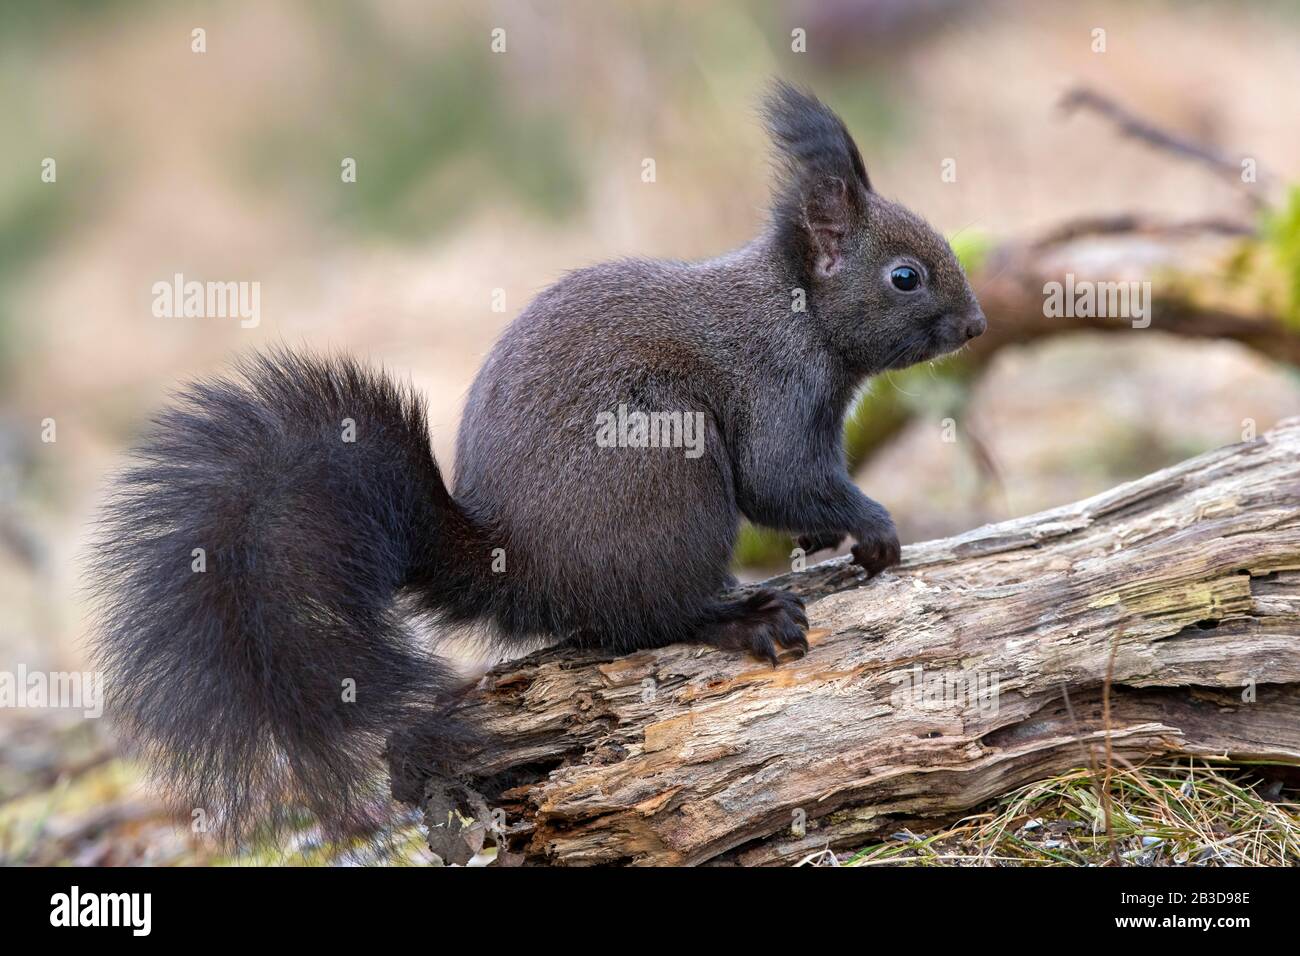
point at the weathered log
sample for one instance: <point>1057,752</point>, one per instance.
<point>1184,585</point>
<point>1186,301</point>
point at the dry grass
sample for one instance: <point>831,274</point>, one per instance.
<point>1189,813</point>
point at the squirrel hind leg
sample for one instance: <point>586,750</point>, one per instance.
<point>764,623</point>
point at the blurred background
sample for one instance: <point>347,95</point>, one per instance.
<point>479,170</point>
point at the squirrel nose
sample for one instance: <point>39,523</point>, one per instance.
<point>974,324</point>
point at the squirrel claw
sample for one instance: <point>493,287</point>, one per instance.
<point>768,623</point>
<point>875,556</point>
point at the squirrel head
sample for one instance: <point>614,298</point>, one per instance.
<point>884,287</point>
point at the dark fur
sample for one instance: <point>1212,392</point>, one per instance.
<point>232,678</point>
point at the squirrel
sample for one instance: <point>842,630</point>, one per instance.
<point>276,667</point>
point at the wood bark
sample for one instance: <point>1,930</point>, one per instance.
<point>1184,586</point>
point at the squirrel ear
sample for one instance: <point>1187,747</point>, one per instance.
<point>827,218</point>
<point>822,189</point>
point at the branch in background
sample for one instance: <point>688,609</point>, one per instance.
<point>1179,593</point>
<point>1135,127</point>
<point>1011,293</point>
<point>1140,224</point>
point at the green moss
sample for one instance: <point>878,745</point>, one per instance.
<point>972,249</point>
<point>762,548</point>
<point>1281,230</point>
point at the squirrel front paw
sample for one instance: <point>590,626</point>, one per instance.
<point>877,550</point>
<point>820,541</point>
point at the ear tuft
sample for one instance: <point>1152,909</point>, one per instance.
<point>810,137</point>
<point>822,187</point>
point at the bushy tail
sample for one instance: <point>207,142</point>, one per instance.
<point>247,571</point>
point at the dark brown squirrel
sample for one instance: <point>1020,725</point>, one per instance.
<point>274,677</point>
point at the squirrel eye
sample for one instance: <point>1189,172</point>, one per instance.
<point>905,278</point>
